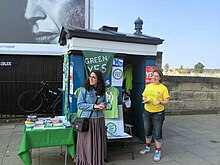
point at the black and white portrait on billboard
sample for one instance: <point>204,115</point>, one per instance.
<point>46,17</point>
<point>38,21</point>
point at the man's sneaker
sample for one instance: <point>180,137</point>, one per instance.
<point>145,150</point>
<point>157,155</point>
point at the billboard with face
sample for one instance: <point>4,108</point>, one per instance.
<point>33,26</point>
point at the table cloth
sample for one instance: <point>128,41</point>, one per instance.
<point>45,138</point>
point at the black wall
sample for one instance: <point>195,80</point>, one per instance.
<point>19,73</point>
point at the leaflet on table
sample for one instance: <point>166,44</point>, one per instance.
<point>54,127</point>
<point>38,126</point>
<point>39,122</point>
<point>48,127</point>
<point>31,118</point>
<point>57,124</point>
<point>54,121</point>
<point>114,135</point>
<point>29,129</point>
<point>61,118</point>
<point>67,124</point>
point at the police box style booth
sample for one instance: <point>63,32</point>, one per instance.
<point>125,60</point>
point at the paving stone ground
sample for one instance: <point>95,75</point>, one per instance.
<point>188,140</point>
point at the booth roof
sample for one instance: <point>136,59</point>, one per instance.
<point>108,34</point>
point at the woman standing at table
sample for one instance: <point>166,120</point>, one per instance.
<point>90,144</point>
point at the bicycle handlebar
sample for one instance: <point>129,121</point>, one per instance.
<point>44,83</point>
<point>60,89</point>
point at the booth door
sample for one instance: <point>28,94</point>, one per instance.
<point>139,68</point>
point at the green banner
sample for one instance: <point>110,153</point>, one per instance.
<point>98,61</point>
<point>66,85</point>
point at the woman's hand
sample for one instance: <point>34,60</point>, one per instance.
<point>144,99</point>
<point>156,103</point>
<point>100,106</point>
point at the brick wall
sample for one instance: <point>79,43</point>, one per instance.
<point>193,95</point>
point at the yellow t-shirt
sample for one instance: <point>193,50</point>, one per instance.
<point>155,93</point>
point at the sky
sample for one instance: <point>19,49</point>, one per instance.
<point>190,28</point>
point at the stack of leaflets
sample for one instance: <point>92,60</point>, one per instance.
<point>56,122</point>
<point>38,126</point>
<point>50,123</point>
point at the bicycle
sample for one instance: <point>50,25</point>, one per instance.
<point>30,101</point>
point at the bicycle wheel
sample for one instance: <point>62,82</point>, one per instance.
<point>58,106</point>
<point>29,102</point>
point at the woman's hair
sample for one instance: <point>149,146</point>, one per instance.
<point>160,74</point>
<point>100,88</point>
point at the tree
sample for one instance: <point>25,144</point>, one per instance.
<point>166,67</point>
<point>199,67</point>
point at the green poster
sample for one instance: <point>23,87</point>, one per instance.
<point>98,61</point>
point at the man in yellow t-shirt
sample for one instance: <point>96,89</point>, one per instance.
<point>155,97</point>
